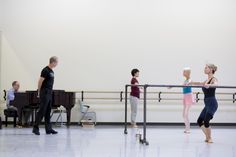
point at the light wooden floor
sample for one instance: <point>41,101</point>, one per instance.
<point>109,141</point>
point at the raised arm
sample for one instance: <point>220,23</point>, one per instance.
<point>197,83</point>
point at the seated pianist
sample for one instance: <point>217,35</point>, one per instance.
<point>10,97</point>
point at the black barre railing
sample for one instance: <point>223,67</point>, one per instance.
<point>84,93</point>
<point>159,98</point>
<point>145,87</point>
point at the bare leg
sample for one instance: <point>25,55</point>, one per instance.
<point>207,119</point>
<point>204,131</point>
<point>208,133</point>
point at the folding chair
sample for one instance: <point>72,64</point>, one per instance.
<point>87,117</point>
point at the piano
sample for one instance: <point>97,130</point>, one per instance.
<point>29,99</point>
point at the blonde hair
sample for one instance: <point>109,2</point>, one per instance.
<point>187,69</point>
<point>212,67</point>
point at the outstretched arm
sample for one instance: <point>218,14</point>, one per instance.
<point>197,83</point>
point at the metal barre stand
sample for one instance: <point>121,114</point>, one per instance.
<point>144,140</point>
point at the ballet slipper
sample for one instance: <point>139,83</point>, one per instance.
<point>134,125</point>
<point>187,132</point>
<point>209,141</point>
<point>19,126</point>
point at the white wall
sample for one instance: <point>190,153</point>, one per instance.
<point>1,20</point>
<point>99,42</point>
<point>1,64</point>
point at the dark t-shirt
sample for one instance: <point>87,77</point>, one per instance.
<point>48,75</point>
<point>134,89</point>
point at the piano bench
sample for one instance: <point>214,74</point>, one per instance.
<point>10,113</point>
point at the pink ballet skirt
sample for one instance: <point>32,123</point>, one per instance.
<point>188,99</point>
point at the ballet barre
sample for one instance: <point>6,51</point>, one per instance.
<point>157,96</point>
<point>145,87</point>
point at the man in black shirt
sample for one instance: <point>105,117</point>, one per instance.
<point>45,87</point>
